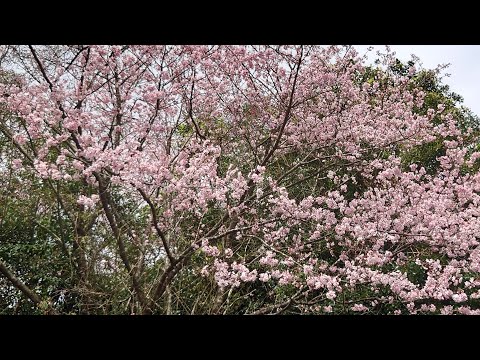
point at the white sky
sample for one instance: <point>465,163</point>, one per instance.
<point>464,66</point>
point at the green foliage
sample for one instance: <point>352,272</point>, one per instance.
<point>38,259</point>
<point>424,155</point>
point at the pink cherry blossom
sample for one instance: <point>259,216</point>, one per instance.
<point>255,167</point>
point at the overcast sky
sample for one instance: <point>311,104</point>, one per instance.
<point>464,66</point>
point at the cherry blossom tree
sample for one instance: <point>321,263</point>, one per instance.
<point>243,179</point>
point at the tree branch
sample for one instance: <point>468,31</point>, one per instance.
<point>287,113</point>
<point>160,233</point>
<point>105,201</point>
<point>20,285</point>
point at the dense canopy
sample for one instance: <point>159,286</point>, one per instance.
<point>234,180</point>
